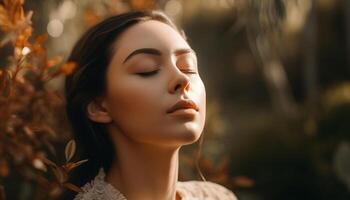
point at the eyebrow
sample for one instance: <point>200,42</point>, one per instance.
<point>157,52</point>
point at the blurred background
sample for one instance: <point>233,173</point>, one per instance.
<point>278,94</point>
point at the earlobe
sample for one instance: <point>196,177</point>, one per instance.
<point>98,113</point>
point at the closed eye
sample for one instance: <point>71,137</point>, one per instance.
<point>146,74</point>
<point>189,71</point>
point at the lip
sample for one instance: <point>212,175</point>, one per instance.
<point>183,104</point>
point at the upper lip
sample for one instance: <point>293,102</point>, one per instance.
<point>183,104</point>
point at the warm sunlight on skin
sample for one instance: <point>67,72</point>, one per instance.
<point>152,69</point>
<point>152,104</point>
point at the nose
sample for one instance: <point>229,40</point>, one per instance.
<point>179,82</point>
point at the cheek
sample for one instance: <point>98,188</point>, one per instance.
<point>132,97</point>
<point>134,104</point>
<point>199,94</point>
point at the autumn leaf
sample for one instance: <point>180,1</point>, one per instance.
<point>49,162</point>
<point>80,162</point>
<point>70,150</point>
<point>53,61</point>
<point>12,16</point>
<point>60,174</point>
<point>72,187</point>
<point>38,45</point>
<point>41,38</point>
<point>70,166</point>
<point>5,22</point>
<point>68,68</point>
<point>90,17</point>
<point>243,181</point>
<point>142,4</point>
<point>22,38</point>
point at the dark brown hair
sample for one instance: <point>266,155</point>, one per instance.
<point>92,54</point>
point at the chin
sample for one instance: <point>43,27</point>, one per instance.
<point>178,135</point>
<point>188,134</point>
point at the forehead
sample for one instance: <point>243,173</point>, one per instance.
<point>148,34</point>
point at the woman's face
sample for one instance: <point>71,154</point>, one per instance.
<point>152,69</point>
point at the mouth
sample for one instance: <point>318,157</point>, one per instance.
<point>184,104</point>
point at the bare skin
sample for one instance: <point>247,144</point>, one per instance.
<point>145,172</point>
<point>147,138</point>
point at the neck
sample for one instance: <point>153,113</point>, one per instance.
<point>142,171</point>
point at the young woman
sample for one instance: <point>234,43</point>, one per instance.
<point>134,99</point>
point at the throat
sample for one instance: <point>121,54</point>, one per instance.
<point>145,174</point>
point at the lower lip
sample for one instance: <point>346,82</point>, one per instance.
<point>184,112</point>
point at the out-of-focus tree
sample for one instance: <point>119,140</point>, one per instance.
<point>31,116</point>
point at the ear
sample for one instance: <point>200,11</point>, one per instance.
<point>97,111</point>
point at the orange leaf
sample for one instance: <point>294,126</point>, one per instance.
<point>38,45</point>
<point>41,38</point>
<point>142,4</point>
<point>70,166</point>
<point>72,187</point>
<point>48,162</point>
<point>22,38</point>
<point>70,150</point>
<point>16,10</point>
<point>60,174</point>
<point>68,68</point>
<point>53,61</point>
<point>243,181</point>
<point>90,17</point>
<point>80,162</point>
<point>4,20</point>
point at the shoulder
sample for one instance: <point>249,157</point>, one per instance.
<point>204,190</point>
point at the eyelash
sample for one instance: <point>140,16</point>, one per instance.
<point>151,73</point>
<point>189,71</point>
<point>146,74</point>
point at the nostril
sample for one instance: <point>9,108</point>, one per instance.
<point>177,87</point>
<point>183,85</point>
<point>179,81</point>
